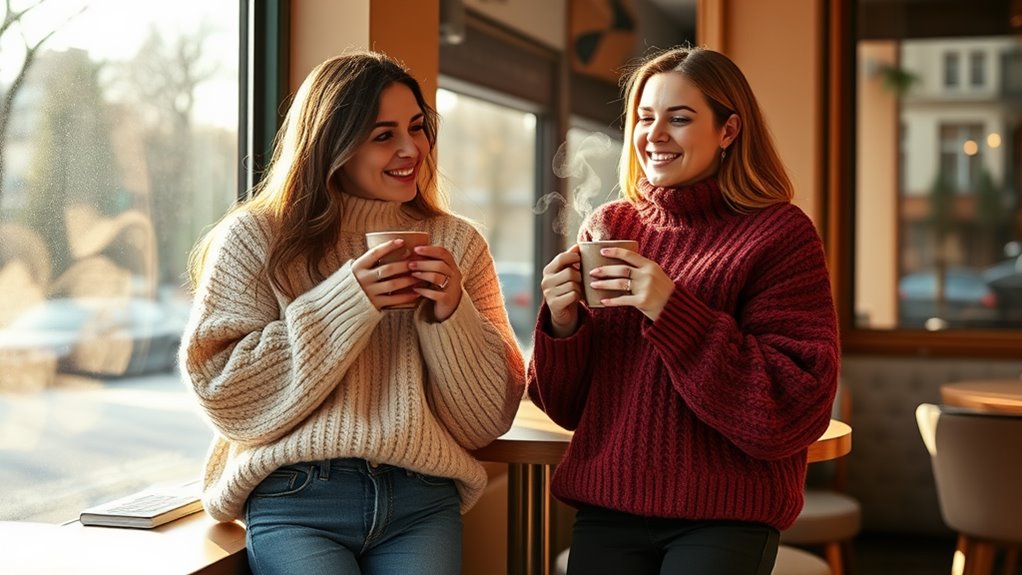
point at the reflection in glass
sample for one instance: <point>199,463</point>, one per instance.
<point>117,150</point>
<point>939,145</point>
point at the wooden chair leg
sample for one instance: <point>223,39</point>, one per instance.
<point>961,551</point>
<point>835,558</point>
<point>1011,561</point>
<point>847,555</point>
<point>980,557</point>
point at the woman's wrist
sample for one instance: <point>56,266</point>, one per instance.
<point>564,330</point>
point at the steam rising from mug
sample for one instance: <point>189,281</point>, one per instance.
<point>588,187</point>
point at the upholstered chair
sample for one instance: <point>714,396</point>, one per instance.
<point>977,467</point>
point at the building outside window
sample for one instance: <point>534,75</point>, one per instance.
<point>120,148</point>
<point>938,244</point>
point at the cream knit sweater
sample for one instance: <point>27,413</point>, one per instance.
<point>327,375</point>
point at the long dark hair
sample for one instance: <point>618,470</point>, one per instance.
<point>330,116</point>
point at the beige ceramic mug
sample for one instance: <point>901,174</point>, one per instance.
<point>412,240</point>
<point>591,259</point>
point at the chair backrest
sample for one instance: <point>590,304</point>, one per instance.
<point>977,467</point>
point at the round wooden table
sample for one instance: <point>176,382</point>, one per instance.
<point>993,395</point>
<point>534,445</point>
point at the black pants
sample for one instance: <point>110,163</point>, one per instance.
<point>615,543</point>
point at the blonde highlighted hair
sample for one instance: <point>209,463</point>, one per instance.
<point>330,116</point>
<point>752,175</point>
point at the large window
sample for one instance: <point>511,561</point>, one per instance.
<point>487,155</point>
<point>498,134</point>
<point>119,146</point>
<point>937,225</point>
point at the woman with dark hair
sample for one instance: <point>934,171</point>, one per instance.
<point>695,394</point>
<point>342,427</point>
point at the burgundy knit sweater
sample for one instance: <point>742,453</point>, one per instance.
<point>707,412</point>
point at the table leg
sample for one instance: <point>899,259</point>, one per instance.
<point>528,520</point>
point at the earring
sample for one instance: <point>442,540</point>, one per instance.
<point>723,154</point>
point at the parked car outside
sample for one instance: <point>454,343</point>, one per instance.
<point>96,336</point>
<point>968,300</point>
<point>1005,279</point>
<point>29,357</point>
<point>516,284</point>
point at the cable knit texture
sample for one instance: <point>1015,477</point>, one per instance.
<point>708,412</point>
<point>327,375</point>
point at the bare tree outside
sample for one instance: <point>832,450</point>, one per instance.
<point>10,28</point>
<point>119,147</point>
<point>164,75</point>
<point>73,161</point>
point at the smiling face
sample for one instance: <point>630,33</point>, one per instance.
<point>386,166</point>
<point>676,138</point>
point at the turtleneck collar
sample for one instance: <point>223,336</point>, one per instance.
<point>684,205</point>
<point>365,215</point>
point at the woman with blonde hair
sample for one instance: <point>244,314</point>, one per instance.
<point>342,421</point>
<point>695,394</point>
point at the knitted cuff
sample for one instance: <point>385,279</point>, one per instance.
<point>682,324</point>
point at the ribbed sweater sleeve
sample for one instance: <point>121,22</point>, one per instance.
<point>559,372</point>
<point>476,372</point>
<point>257,372</point>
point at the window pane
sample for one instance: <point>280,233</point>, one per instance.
<point>487,154</point>
<point>951,69</point>
<point>120,149</point>
<point>977,68</point>
<point>938,225</point>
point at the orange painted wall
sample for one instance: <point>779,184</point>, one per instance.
<point>409,31</point>
<point>876,195</point>
<point>778,45</point>
<point>405,30</point>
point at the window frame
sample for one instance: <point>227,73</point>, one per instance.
<point>839,233</point>
<point>265,53</point>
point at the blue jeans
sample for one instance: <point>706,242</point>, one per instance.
<point>347,516</point>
